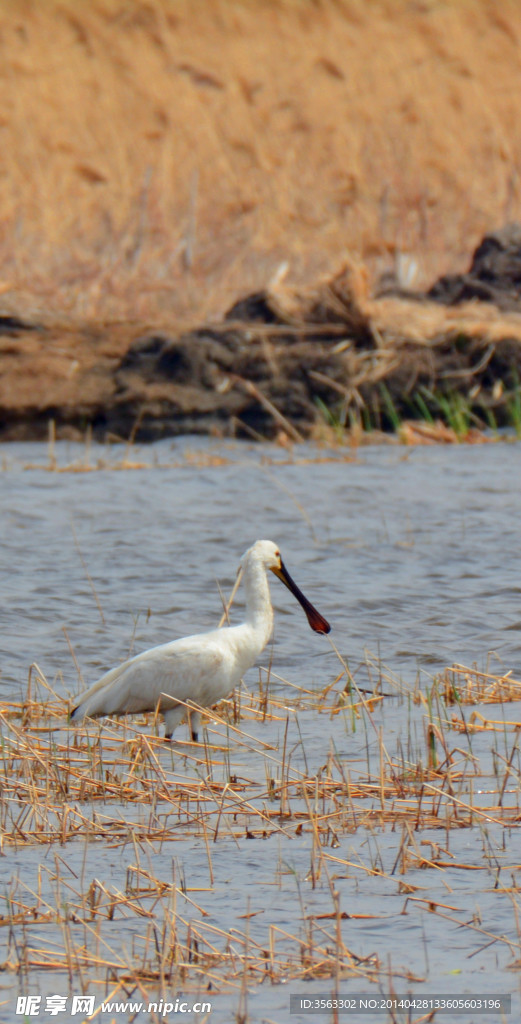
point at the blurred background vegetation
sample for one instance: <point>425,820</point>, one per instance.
<point>165,156</point>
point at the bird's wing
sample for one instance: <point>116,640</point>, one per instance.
<point>182,670</point>
<point>185,670</point>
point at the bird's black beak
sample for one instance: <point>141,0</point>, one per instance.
<point>315,619</point>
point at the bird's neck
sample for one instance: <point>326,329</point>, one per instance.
<point>259,613</point>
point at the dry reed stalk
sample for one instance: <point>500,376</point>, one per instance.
<point>462,685</point>
<point>251,389</point>
<point>478,723</point>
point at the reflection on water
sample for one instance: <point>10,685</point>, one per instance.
<point>411,554</point>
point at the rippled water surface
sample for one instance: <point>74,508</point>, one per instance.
<point>412,555</point>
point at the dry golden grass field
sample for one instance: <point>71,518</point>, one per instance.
<point>164,156</point>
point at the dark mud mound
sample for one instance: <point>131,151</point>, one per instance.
<point>280,362</point>
<point>494,275</point>
<point>262,371</point>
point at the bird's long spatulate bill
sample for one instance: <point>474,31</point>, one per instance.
<point>315,619</point>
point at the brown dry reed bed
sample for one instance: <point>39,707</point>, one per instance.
<point>120,786</point>
<point>172,165</point>
<point>175,149</point>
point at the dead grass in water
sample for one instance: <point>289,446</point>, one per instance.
<point>120,786</point>
<point>463,685</point>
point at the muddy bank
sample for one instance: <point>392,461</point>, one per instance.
<point>281,360</point>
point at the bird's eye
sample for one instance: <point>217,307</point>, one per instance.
<point>277,554</point>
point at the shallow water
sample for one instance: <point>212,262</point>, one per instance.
<point>412,556</point>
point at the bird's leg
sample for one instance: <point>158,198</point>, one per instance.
<point>195,725</point>
<point>172,718</point>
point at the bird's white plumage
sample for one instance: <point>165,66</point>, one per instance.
<point>201,669</point>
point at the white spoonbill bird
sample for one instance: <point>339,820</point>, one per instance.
<point>203,668</point>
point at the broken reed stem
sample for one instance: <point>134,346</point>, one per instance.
<point>255,392</point>
<point>227,606</point>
